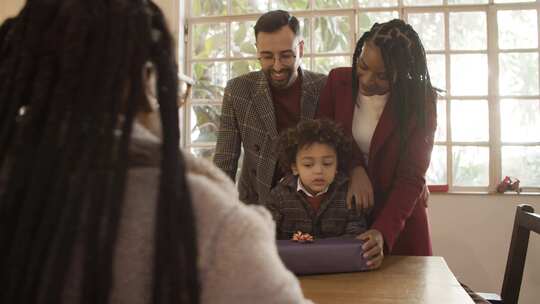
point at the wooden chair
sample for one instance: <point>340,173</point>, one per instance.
<point>525,222</point>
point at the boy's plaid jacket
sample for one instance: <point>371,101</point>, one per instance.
<point>292,212</point>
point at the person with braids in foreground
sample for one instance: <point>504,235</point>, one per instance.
<point>387,104</point>
<point>97,203</point>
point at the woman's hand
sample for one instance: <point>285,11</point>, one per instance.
<point>372,248</point>
<point>360,187</point>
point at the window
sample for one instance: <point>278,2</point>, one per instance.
<point>484,54</point>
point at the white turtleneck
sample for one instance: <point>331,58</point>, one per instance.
<point>367,113</point>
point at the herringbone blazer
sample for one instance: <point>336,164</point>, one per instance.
<point>248,121</point>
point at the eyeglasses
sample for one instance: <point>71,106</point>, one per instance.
<point>285,59</point>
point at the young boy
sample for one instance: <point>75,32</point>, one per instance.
<point>311,198</point>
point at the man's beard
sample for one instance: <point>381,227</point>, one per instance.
<point>284,80</point>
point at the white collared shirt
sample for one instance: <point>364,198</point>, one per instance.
<point>300,188</point>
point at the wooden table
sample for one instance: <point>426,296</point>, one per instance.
<point>401,279</point>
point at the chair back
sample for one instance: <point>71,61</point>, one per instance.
<point>525,222</point>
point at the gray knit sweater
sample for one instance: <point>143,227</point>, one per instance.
<point>238,261</point>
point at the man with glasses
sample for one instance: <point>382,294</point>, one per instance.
<point>259,105</point>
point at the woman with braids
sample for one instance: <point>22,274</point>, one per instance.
<point>97,205</point>
<point>387,104</point>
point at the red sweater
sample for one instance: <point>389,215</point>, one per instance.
<point>287,105</point>
<point>287,110</point>
<point>315,201</point>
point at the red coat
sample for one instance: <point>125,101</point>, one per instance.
<point>399,185</point>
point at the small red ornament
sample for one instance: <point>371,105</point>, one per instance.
<point>509,184</point>
<point>302,237</point>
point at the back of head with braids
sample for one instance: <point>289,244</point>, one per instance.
<point>406,68</point>
<point>70,86</point>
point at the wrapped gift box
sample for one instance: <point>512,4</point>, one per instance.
<point>331,255</point>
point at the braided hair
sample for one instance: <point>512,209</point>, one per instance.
<point>406,68</point>
<point>70,86</point>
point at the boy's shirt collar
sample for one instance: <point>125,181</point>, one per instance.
<point>291,181</point>
<point>300,188</point>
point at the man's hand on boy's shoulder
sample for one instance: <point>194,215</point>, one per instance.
<point>373,248</point>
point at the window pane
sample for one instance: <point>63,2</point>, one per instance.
<point>522,163</point>
<point>430,28</point>
<point>469,74</point>
<point>518,73</point>
<point>470,166</point>
<point>468,31</point>
<point>209,7</point>
<point>207,153</point>
<point>422,2</point>
<point>517,29</point>
<point>204,122</point>
<point>331,34</point>
<point>366,20</point>
<point>513,1</point>
<point>305,23</point>
<point>209,40</point>
<point>469,120</point>
<point>243,39</point>
<point>437,71</point>
<point>210,79</point>
<point>290,5</point>
<point>325,64</point>
<point>333,3</point>
<point>520,120</point>
<point>306,63</point>
<point>440,133</point>
<point>377,3</point>
<point>240,67</point>
<point>467,1</point>
<point>248,6</point>
<point>436,174</point>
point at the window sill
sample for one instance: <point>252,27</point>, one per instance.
<point>532,193</point>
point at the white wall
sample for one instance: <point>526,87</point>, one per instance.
<point>170,8</point>
<point>9,8</point>
<point>472,233</point>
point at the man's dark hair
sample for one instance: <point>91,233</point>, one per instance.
<point>274,20</point>
<point>70,87</point>
<point>308,132</point>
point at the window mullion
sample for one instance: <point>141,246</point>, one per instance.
<point>228,43</point>
<point>538,43</point>
<point>186,136</point>
<point>352,24</point>
<point>495,164</point>
<point>449,159</point>
<point>311,44</point>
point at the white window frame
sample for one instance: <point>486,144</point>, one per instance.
<point>493,51</point>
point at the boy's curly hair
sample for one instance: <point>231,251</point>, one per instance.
<point>308,132</point>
